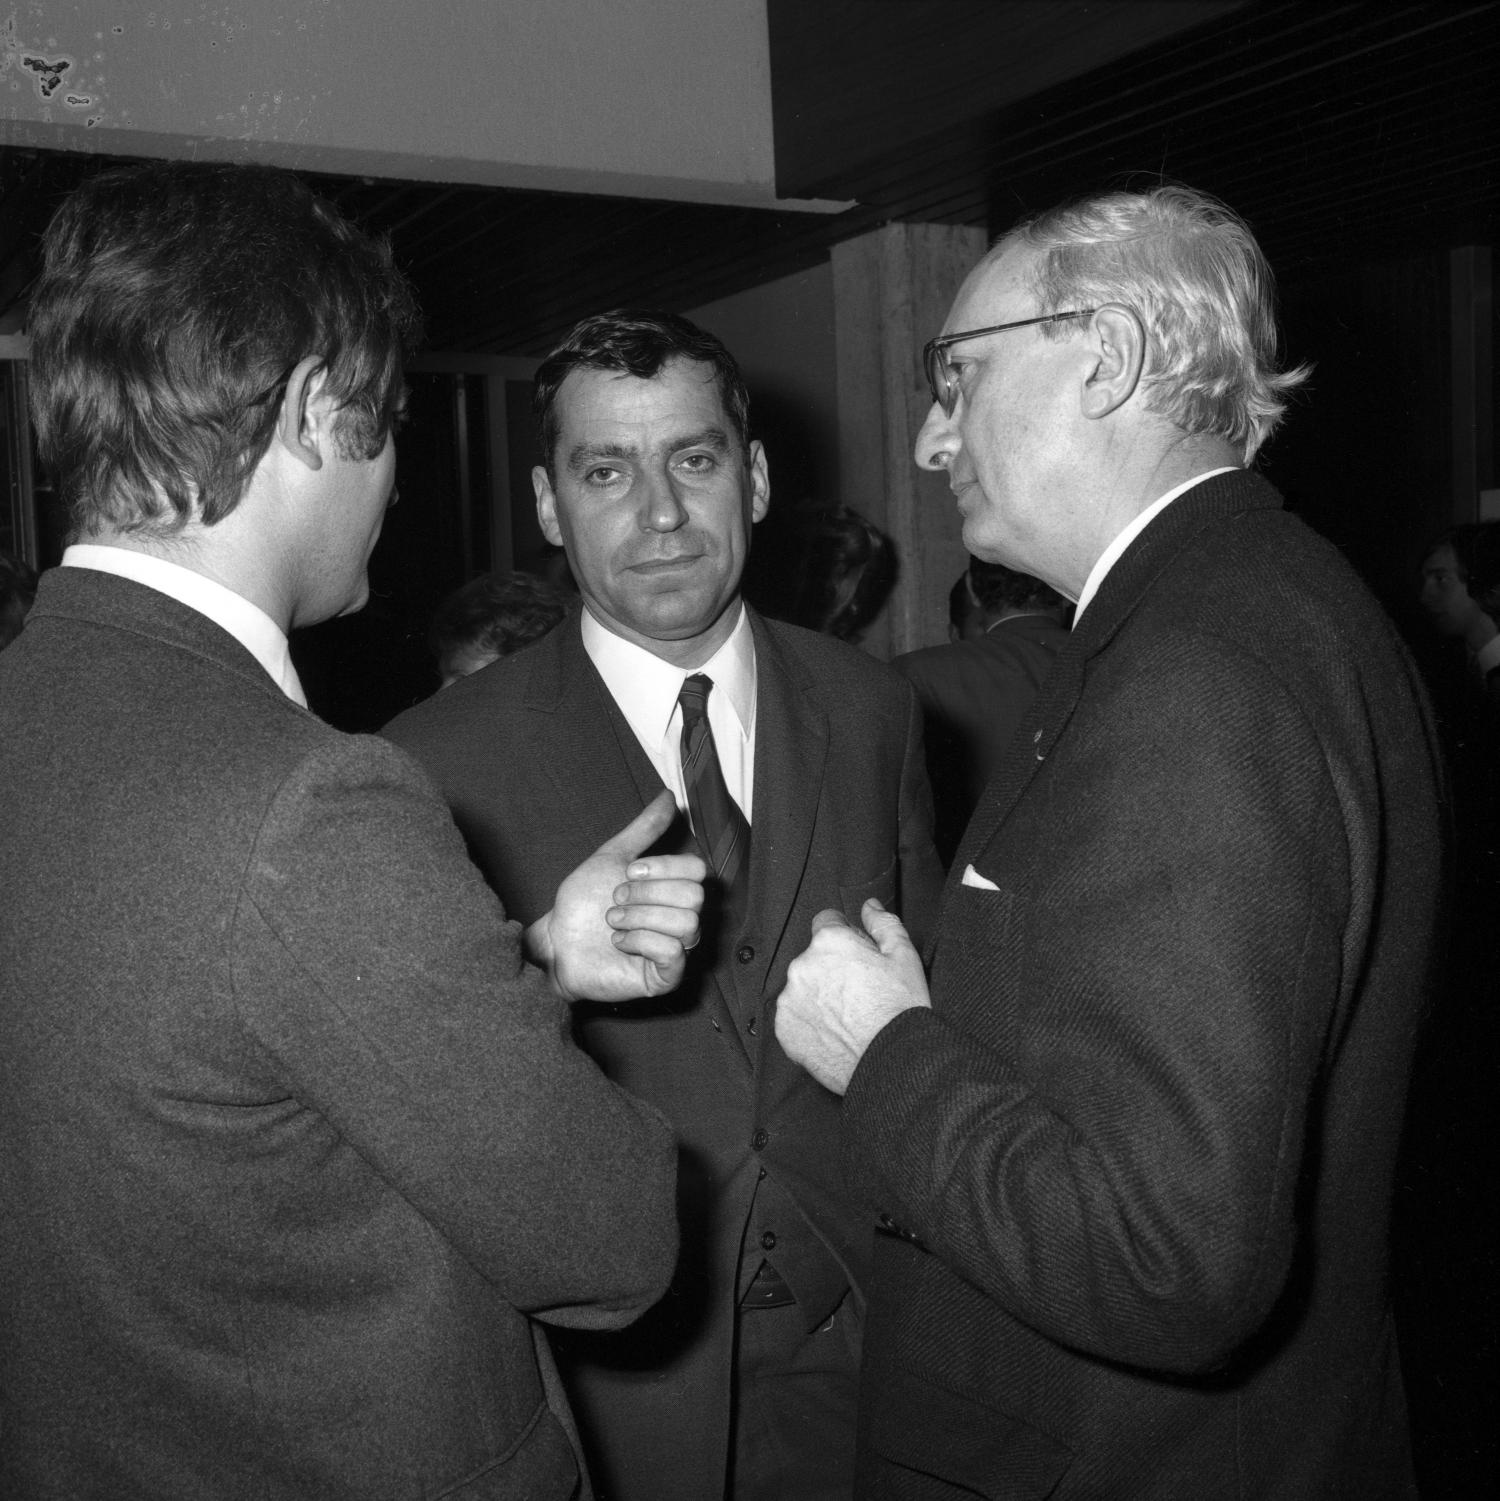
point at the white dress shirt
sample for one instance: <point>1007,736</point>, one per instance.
<point>1111,554</point>
<point>646,689</point>
<point>247,623</point>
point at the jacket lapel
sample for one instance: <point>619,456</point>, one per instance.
<point>598,771</point>
<point>791,757</point>
<point>1126,584</point>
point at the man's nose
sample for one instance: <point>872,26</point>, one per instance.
<point>938,440</point>
<point>662,509</point>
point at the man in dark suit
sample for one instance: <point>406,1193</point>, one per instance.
<point>1006,629</point>
<point>292,1141</point>
<point>1134,1148</point>
<point>809,792</point>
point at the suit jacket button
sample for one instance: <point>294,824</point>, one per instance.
<point>745,953</point>
<point>768,1241</point>
<point>759,1140</point>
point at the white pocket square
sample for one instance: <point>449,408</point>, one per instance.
<point>972,877</point>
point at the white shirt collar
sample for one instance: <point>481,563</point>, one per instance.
<point>646,687</point>
<point>247,623</point>
<point>1112,554</point>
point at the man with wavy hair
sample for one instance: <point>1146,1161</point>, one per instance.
<point>293,1145</point>
<point>1133,1143</point>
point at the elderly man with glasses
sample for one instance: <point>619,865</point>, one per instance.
<point>1131,1134</point>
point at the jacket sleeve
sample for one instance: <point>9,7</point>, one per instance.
<point>1101,1124</point>
<point>378,973</point>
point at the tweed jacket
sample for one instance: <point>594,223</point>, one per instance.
<point>291,1142</point>
<point>1136,1162</point>
<point>538,763</point>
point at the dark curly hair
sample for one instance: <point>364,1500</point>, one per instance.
<point>634,341</point>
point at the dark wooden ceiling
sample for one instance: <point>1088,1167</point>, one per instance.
<point>1344,132</point>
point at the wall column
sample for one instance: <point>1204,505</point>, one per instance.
<point>891,292</point>
<point>1472,297</point>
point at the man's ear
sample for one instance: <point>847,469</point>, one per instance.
<point>1119,343</point>
<point>546,506</point>
<point>760,482</point>
<point>305,423</point>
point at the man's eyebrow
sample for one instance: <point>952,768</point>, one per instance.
<point>709,437</point>
<point>581,455</point>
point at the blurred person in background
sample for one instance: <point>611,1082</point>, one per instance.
<point>1006,629</point>
<point>17,590</point>
<point>489,618</point>
<point>845,568</point>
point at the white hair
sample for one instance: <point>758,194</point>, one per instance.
<point>1191,271</point>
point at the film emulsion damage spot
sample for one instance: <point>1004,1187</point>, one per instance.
<point>48,75</point>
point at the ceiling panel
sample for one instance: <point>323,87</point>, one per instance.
<point>1344,132</point>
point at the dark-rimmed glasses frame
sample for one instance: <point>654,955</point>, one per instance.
<point>942,378</point>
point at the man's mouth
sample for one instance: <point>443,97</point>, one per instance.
<point>665,565</point>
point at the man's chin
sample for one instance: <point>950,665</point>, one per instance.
<point>677,618</point>
<point>358,600</point>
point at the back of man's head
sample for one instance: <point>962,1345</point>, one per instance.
<point>638,342</point>
<point>846,570</point>
<point>1192,272</point>
<point>175,300</point>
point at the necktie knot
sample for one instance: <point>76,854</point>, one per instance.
<point>694,696</point>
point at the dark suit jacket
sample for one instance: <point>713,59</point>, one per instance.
<point>539,767</point>
<point>1138,1157</point>
<point>973,695</point>
<point>290,1142</point>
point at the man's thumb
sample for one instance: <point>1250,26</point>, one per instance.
<point>884,927</point>
<point>643,830</point>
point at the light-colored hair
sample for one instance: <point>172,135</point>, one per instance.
<point>1190,269</point>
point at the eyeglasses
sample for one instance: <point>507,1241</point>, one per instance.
<point>942,378</point>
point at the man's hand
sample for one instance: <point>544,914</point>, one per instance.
<point>843,988</point>
<point>621,927</point>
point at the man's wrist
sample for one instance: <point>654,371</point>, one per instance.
<point>536,944</point>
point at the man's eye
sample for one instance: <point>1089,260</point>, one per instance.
<point>601,474</point>
<point>699,463</point>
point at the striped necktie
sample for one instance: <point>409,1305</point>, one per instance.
<point>722,832</point>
